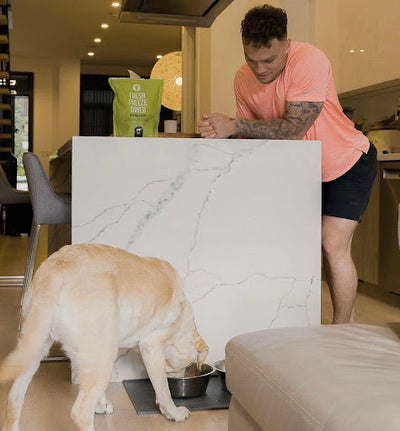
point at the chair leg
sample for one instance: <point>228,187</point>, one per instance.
<point>30,265</point>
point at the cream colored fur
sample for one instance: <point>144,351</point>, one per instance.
<point>93,299</point>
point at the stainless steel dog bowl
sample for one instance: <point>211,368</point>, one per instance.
<point>220,367</point>
<point>192,384</point>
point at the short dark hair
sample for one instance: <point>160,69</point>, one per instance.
<point>261,24</point>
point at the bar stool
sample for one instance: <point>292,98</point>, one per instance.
<point>9,195</point>
<point>48,208</point>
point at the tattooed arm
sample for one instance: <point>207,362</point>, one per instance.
<point>298,118</point>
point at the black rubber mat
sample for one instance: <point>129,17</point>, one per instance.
<point>143,398</point>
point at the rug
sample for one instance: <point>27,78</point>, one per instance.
<point>142,395</point>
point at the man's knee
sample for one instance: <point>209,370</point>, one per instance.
<point>333,246</point>
<point>337,236</point>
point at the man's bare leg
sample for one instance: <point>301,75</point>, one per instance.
<point>337,234</point>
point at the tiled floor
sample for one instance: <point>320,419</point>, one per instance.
<point>50,395</point>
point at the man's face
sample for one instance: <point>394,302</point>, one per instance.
<point>267,62</point>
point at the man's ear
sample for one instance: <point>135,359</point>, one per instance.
<point>288,43</point>
<point>202,350</point>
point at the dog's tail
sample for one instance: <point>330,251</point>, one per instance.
<point>38,312</point>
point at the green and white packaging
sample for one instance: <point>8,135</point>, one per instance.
<point>137,102</point>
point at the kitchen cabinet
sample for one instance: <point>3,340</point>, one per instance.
<point>375,245</point>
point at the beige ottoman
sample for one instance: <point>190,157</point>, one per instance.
<point>336,378</point>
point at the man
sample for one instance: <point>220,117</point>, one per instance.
<point>286,91</point>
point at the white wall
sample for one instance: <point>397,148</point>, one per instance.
<point>226,57</point>
<point>325,33</point>
<point>299,14</point>
<point>56,101</point>
<point>375,27</point>
<point>67,101</point>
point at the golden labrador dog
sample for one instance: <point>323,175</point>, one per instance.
<point>93,299</point>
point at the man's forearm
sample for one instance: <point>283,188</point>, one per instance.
<point>299,116</point>
<point>267,129</point>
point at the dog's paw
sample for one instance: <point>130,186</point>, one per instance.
<point>104,408</point>
<point>178,414</point>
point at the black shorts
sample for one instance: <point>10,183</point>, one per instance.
<point>347,196</point>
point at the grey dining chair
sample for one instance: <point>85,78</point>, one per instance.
<point>10,195</point>
<point>48,208</point>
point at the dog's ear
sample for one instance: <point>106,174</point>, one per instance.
<point>202,350</point>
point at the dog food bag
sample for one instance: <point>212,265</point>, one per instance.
<point>136,106</point>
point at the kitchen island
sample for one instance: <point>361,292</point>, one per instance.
<point>239,220</point>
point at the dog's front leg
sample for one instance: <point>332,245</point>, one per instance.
<point>152,351</point>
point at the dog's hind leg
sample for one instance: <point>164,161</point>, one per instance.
<point>18,390</point>
<point>93,363</point>
<point>83,410</point>
<point>94,376</point>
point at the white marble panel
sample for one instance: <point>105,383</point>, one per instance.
<point>239,220</point>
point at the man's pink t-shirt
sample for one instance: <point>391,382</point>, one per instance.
<point>307,77</point>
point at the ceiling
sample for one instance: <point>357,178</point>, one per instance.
<point>66,29</point>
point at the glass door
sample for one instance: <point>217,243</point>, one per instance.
<point>22,90</point>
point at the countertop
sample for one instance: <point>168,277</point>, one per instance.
<point>391,157</point>
<point>65,150</point>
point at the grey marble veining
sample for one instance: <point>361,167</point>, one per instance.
<point>239,220</point>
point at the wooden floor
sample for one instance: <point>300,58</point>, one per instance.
<point>13,252</point>
<point>368,309</point>
<point>51,394</point>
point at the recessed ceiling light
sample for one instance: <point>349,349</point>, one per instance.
<point>90,53</point>
<point>159,56</point>
<point>351,51</point>
<point>115,4</point>
<point>97,39</point>
<point>362,50</point>
<point>104,25</point>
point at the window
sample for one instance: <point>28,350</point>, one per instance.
<point>96,106</point>
<point>22,109</point>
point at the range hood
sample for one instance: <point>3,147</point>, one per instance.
<point>191,13</point>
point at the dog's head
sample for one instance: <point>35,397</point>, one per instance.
<point>186,346</point>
